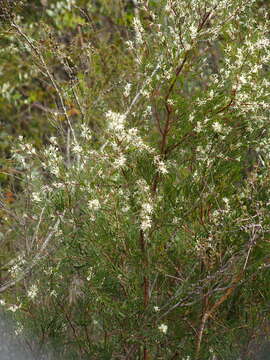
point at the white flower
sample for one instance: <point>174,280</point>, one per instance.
<point>53,140</point>
<point>117,121</point>
<point>54,169</point>
<point>14,308</point>
<point>146,223</point>
<point>211,94</point>
<point>2,302</point>
<point>217,127</point>
<point>77,149</point>
<point>168,7</point>
<point>19,329</point>
<point>36,197</point>
<point>162,168</point>
<point>94,204</point>
<point>193,31</point>
<point>160,165</point>
<point>147,208</point>
<point>156,308</point>
<point>127,90</point>
<point>191,117</point>
<point>146,211</point>
<point>138,30</point>
<point>242,79</point>
<point>90,274</point>
<point>14,270</point>
<point>130,45</point>
<point>163,328</point>
<point>133,132</point>
<point>32,292</point>
<point>85,132</point>
<point>53,293</point>
<point>119,162</point>
<point>198,128</point>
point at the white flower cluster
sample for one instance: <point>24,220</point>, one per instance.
<point>19,328</point>
<point>26,148</point>
<point>138,30</point>
<point>53,159</point>
<point>132,138</point>
<point>23,152</point>
<point>36,197</point>
<point>14,307</point>
<point>145,215</point>
<point>116,121</point>
<point>127,90</point>
<point>160,164</point>
<point>85,132</point>
<point>94,204</point>
<point>217,127</point>
<point>90,273</point>
<point>77,149</point>
<point>163,328</point>
<point>60,7</point>
<point>120,161</point>
<point>32,292</point>
<point>2,302</point>
<point>16,268</point>
<point>145,202</point>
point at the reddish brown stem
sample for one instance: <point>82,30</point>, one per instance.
<point>145,283</point>
<point>145,354</point>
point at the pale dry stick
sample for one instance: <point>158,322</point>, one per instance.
<point>210,312</point>
<point>136,10</point>
<point>196,290</point>
<point>146,283</point>
<point>78,102</point>
<point>38,226</point>
<point>34,262</point>
<point>152,286</point>
<point>181,303</point>
<point>47,109</point>
<point>254,236</point>
<point>68,148</point>
<point>48,73</point>
<point>136,98</point>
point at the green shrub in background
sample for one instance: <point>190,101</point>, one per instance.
<point>142,230</point>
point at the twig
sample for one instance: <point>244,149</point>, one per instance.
<point>48,73</point>
<point>34,262</point>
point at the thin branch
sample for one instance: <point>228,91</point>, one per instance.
<point>139,94</point>
<point>36,259</point>
<point>48,73</point>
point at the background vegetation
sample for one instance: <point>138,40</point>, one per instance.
<point>135,177</point>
